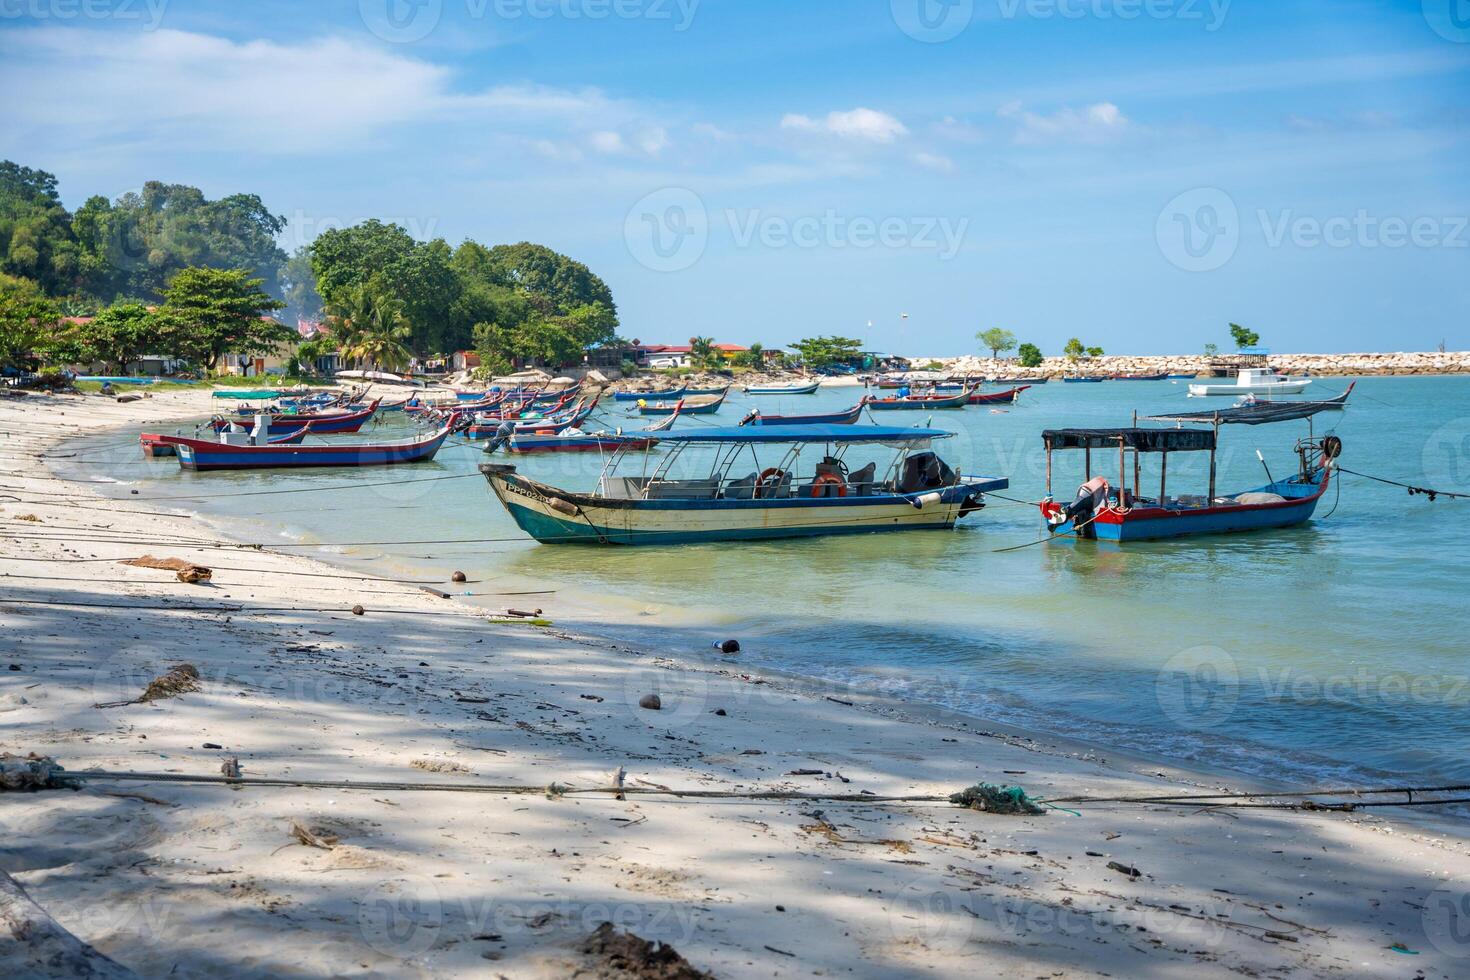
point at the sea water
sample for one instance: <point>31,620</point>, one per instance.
<point>1335,650</point>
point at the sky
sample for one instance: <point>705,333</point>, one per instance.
<point>1136,173</point>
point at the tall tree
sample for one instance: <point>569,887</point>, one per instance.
<point>1243,337</point>
<point>122,333</point>
<point>30,325</point>
<point>1074,349</point>
<point>542,271</point>
<point>36,240</point>
<point>822,351</point>
<point>996,340</point>
<point>298,288</point>
<point>208,313</point>
<point>1029,355</point>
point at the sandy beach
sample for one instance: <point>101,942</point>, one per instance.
<point>186,879</point>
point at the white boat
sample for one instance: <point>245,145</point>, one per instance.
<point>1253,381</point>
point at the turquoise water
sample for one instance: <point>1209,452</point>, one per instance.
<point>1332,651</point>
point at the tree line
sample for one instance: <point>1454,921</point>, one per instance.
<point>139,265</point>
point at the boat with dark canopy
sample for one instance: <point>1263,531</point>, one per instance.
<point>1122,512</point>
<point>694,492</point>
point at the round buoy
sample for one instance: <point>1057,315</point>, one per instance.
<point>728,646</point>
<point>457,577</point>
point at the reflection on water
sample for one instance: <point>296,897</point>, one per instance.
<point>1333,649</point>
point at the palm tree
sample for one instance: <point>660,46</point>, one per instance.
<point>369,326</point>
<point>702,351</point>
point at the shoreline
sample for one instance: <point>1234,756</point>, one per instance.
<point>698,860</point>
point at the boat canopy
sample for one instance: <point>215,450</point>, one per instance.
<point>1256,414</point>
<point>823,432</point>
<point>1140,440</point>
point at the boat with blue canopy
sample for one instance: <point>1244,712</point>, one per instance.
<point>733,483</point>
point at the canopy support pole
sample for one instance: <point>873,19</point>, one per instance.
<point>1211,501</point>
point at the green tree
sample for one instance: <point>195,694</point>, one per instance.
<point>996,340</point>
<point>752,357</point>
<point>1074,349</point>
<point>537,269</point>
<point>1211,350</point>
<point>1094,352</point>
<point>298,288</point>
<point>817,352</point>
<point>36,240</point>
<point>1243,337</point>
<point>122,333</point>
<point>30,325</point>
<point>702,353</point>
<point>207,313</point>
<point>1030,355</point>
<point>134,246</point>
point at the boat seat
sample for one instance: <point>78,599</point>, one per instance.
<point>741,489</point>
<point>625,487</point>
<point>860,481</point>
<point>682,489</point>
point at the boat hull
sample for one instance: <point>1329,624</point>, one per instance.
<point>1157,523</point>
<point>552,516</point>
<point>203,456</point>
<point>810,389</point>
<point>1273,388</point>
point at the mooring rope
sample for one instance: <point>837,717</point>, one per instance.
<point>1413,490</point>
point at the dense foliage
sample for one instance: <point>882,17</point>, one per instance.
<point>1029,355</point>
<point>1243,337</point>
<point>817,352</point>
<point>996,340</point>
<point>124,257</point>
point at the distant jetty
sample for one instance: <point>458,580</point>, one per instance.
<point>1433,362</point>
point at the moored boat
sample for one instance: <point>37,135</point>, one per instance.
<point>633,396</point>
<point>846,417</point>
<point>1104,511</point>
<point>807,389</point>
<point>202,454</point>
<point>317,424</point>
<point>916,490</point>
<point>1160,376</point>
<point>997,397</point>
<point>1083,379</point>
<point>703,405</point>
<point>920,402</point>
<point>1253,381</point>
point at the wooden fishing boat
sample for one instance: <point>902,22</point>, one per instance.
<point>1160,376</point>
<point>482,428</point>
<point>633,396</point>
<point>574,440</point>
<point>916,490</point>
<point>203,455</point>
<point>703,405</point>
<point>1083,379</point>
<point>156,445</point>
<point>317,424</point>
<point>1122,513</point>
<point>696,392</point>
<point>1043,379</point>
<point>997,397</point>
<point>846,417</point>
<point>809,389</point>
<point>920,402</point>
<point>1191,375</point>
<point>1253,381</point>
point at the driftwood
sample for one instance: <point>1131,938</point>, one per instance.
<point>34,945</point>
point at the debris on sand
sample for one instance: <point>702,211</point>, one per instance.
<point>181,679</point>
<point>187,571</point>
<point>314,836</point>
<point>624,956</point>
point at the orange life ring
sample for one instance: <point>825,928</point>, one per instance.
<point>829,479</point>
<point>769,479</point>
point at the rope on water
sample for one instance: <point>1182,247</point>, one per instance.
<point>1413,490</point>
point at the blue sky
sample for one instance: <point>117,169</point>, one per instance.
<point>1133,172</point>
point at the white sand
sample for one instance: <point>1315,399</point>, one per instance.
<point>203,881</point>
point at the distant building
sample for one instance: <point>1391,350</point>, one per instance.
<point>464,360</point>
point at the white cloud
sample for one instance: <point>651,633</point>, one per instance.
<point>606,141</point>
<point>1097,123</point>
<point>934,161</point>
<point>856,124</point>
<point>173,88</point>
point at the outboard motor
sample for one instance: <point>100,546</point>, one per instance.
<point>924,471</point>
<point>1090,496</point>
<point>501,437</point>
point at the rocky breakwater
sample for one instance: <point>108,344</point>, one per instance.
<point>1430,362</point>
